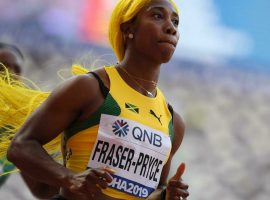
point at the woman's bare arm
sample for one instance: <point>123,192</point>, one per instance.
<point>179,129</point>
<point>58,112</point>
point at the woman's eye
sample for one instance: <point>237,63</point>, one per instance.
<point>175,22</point>
<point>157,16</point>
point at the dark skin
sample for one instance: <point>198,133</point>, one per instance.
<point>11,60</point>
<point>13,63</point>
<point>143,57</point>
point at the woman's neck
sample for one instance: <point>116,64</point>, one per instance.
<point>140,74</point>
<point>142,68</point>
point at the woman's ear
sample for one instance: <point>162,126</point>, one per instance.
<point>126,28</point>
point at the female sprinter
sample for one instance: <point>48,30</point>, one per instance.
<point>120,134</point>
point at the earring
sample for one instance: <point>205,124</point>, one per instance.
<point>130,36</point>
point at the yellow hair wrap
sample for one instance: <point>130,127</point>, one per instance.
<point>18,99</point>
<point>124,11</point>
<point>78,69</point>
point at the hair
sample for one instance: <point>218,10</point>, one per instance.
<point>19,98</point>
<point>124,11</point>
<point>13,48</point>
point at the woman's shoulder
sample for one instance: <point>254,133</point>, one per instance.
<point>77,91</point>
<point>79,84</point>
<point>101,72</point>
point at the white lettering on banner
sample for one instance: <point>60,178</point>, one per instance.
<point>136,152</point>
<point>130,187</point>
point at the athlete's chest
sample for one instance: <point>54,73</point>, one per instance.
<point>135,151</point>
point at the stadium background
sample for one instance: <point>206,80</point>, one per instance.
<point>218,80</point>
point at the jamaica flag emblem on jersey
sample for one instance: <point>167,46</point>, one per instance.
<point>132,108</point>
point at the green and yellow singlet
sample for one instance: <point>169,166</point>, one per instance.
<point>130,133</point>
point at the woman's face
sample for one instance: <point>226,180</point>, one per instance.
<point>156,31</point>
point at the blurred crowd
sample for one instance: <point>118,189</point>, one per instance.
<point>226,107</point>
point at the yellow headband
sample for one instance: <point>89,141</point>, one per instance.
<point>124,11</point>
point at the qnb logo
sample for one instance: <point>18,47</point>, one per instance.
<point>120,128</point>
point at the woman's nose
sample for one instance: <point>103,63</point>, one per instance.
<point>170,28</point>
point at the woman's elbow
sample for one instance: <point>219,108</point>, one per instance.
<point>14,150</point>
